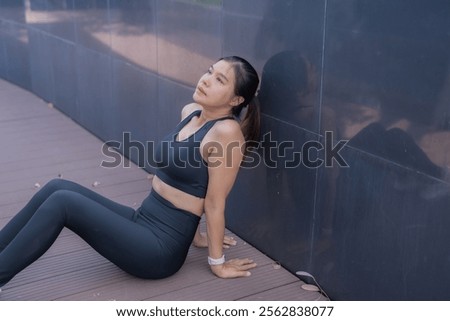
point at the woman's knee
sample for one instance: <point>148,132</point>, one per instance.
<point>57,184</point>
<point>60,201</point>
<point>48,189</point>
<point>63,196</point>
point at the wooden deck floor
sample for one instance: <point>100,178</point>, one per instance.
<point>39,143</point>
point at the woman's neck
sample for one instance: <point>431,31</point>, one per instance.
<point>210,114</point>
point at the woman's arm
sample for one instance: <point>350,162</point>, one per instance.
<point>224,150</point>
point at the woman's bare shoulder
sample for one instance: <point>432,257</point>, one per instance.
<point>227,130</point>
<point>189,108</point>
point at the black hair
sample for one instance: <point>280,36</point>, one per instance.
<point>246,86</point>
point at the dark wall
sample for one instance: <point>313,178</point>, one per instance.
<point>369,218</point>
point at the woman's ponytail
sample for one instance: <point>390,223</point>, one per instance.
<point>250,124</point>
<point>247,82</point>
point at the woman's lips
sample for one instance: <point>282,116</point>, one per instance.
<point>201,90</point>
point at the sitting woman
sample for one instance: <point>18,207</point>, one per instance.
<point>198,164</point>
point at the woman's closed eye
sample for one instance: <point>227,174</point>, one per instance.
<point>219,78</point>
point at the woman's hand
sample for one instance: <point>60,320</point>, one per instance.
<point>201,240</point>
<point>234,268</point>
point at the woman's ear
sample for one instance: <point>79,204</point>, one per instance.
<point>236,101</point>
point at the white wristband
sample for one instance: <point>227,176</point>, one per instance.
<point>218,261</point>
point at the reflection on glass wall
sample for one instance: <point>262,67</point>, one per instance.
<point>390,67</point>
<point>374,75</point>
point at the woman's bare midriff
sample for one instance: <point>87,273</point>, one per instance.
<point>178,198</point>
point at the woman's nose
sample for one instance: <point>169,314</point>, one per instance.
<point>207,79</point>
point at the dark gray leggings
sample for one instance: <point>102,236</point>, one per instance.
<point>151,242</point>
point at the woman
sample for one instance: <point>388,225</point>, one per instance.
<point>196,171</point>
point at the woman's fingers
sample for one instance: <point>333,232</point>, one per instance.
<point>242,267</point>
<point>236,273</point>
<point>240,261</point>
<point>242,273</point>
<point>242,264</point>
<point>228,241</point>
<point>234,268</point>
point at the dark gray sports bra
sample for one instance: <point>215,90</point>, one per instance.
<point>180,163</point>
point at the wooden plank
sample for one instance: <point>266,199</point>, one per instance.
<point>289,292</point>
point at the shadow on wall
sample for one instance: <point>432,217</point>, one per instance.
<point>288,88</point>
<point>286,179</point>
<point>289,92</point>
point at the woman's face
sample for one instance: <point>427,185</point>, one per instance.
<point>216,87</point>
